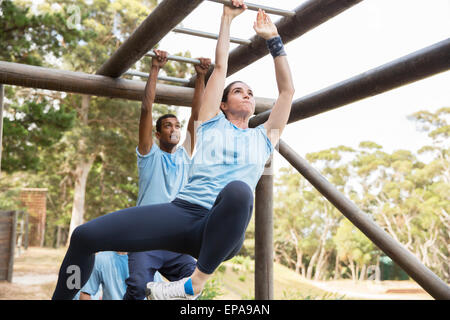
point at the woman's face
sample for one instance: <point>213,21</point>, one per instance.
<point>240,101</point>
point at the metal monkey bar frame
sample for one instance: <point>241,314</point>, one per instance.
<point>164,18</point>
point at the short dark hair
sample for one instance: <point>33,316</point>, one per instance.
<point>160,119</point>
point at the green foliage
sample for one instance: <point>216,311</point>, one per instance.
<point>51,134</point>
<point>405,195</point>
<point>212,289</point>
<point>9,199</point>
<point>298,295</point>
<point>27,37</point>
<point>32,123</point>
<point>352,244</point>
<point>434,123</point>
<point>29,128</point>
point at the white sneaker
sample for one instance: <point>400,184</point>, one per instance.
<point>170,290</point>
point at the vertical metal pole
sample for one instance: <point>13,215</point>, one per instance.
<point>264,235</point>
<point>2,93</point>
<point>26,230</point>
<point>12,244</point>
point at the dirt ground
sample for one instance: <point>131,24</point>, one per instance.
<point>35,275</point>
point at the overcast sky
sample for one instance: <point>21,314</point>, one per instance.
<point>365,36</point>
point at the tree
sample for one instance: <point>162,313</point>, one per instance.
<point>409,197</point>
<point>28,37</point>
<point>289,222</point>
<point>29,128</point>
<point>105,130</point>
<point>434,194</point>
<point>89,133</point>
<point>353,247</point>
<point>32,121</point>
<point>305,220</point>
<point>332,163</point>
<point>405,193</point>
<point>90,164</point>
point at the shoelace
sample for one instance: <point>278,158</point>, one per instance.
<point>173,290</point>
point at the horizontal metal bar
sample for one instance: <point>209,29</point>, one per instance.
<point>406,260</point>
<point>413,67</point>
<point>208,35</point>
<point>168,14</point>
<point>308,15</point>
<point>164,78</point>
<point>256,7</point>
<point>176,58</point>
<point>95,85</point>
<point>90,84</point>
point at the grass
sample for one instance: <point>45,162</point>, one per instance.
<point>236,279</point>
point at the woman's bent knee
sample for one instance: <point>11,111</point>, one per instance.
<point>80,236</point>
<point>239,193</point>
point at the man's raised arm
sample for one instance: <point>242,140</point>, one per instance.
<point>201,70</point>
<point>146,120</point>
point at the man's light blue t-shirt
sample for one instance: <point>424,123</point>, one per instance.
<point>108,277</point>
<point>161,174</point>
<point>224,153</point>
<point>110,271</point>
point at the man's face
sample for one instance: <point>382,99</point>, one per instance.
<point>170,131</point>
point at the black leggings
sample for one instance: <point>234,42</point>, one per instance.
<point>212,236</point>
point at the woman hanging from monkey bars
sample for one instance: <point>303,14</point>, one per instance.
<point>210,215</point>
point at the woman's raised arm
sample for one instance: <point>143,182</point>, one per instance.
<point>282,108</point>
<point>216,83</point>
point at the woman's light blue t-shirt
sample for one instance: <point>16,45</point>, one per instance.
<point>224,153</point>
<point>161,175</point>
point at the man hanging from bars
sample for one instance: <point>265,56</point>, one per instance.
<point>163,169</point>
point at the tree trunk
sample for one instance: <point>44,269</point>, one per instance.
<point>303,271</point>
<point>299,263</point>
<point>352,269</point>
<point>319,254</point>
<point>378,270</point>
<point>362,276</point>
<point>81,174</point>
<point>311,264</point>
<point>356,272</point>
<point>336,268</point>
<point>58,236</point>
<point>320,263</point>
<point>322,267</point>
